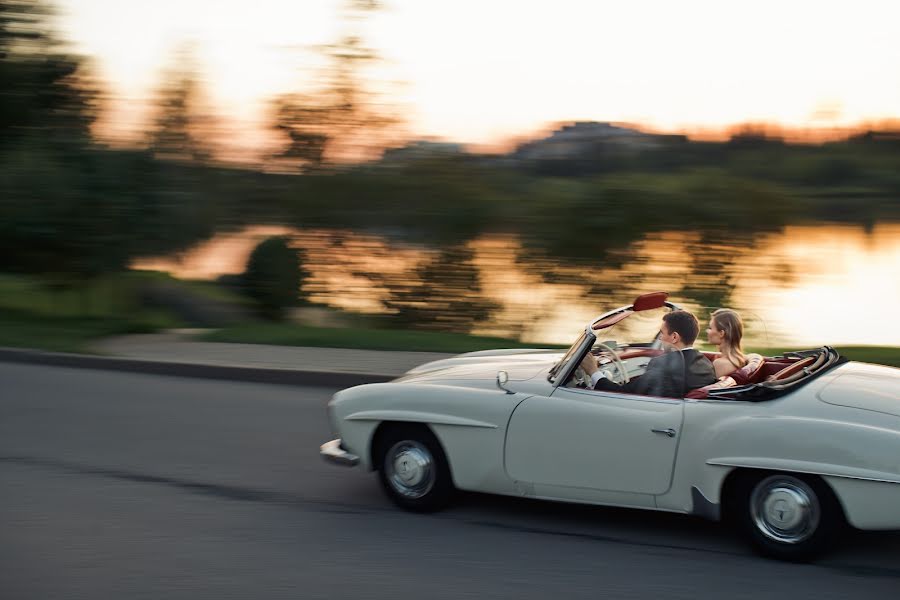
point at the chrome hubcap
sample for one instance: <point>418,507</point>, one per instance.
<point>785,509</point>
<point>409,467</point>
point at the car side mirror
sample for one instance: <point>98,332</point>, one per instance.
<point>502,379</point>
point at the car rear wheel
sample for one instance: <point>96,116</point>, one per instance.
<point>787,516</point>
<point>413,469</point>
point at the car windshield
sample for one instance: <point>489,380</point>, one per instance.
<point>570,353</point>
<point>639,329</point>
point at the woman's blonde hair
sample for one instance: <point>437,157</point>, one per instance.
<point>732,328</point>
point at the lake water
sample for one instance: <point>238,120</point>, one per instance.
<point>803,285</point>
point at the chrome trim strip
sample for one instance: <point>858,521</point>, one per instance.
<point>804,471</point>
<point>417,417</point>
<point>626,396</point>
<point>333,453</point>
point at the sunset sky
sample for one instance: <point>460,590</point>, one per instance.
<point>486,71</point>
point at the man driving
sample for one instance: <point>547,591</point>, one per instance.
<point>671,374</point>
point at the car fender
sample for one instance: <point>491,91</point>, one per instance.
<point>721,437</point>
<point>470,423</point>
<point>806,445</point>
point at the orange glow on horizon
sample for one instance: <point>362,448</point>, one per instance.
<point>487,74</point>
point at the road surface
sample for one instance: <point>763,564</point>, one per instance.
<point>121,485</point>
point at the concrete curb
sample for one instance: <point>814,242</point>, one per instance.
<point>204,371</point>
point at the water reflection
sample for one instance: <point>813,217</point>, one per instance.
<point>843,284</point>
<point>802,285</point>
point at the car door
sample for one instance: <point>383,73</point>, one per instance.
<point>593,440</point>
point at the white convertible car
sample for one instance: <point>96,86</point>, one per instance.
<point>791,448</point>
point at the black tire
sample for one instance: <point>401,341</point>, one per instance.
<point>786,516</point>
<point>413,468</point>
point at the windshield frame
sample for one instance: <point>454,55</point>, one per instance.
<point>615,317</point>
<point>561,370</point>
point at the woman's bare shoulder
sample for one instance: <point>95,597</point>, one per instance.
<point>724,366</point>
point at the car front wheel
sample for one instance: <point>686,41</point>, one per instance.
<point>413,468</point>
<point>787,516</point>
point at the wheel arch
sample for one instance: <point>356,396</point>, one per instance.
<point>384,427</point>
<point>731,485</point>
<point>468,422</point>
<point>474,453</point>
<point>852,452</point>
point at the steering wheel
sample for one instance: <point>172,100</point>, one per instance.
<point>621,377</point>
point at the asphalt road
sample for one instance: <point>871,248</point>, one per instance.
<point>119,485</point>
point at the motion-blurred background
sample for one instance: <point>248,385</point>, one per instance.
<point>343,172</point>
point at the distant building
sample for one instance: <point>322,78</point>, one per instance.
<point>582,138</point>
<point>886,136</point>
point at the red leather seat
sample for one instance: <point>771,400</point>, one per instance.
<point>700,393</point>
<point>636,352</point>
<point>752,372</point>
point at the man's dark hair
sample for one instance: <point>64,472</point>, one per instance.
<point>684,324</point>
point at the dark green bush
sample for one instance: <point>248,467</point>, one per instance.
<point>273,277</point>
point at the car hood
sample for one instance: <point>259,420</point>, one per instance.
<point>864,386</point>
<point>520,365</point>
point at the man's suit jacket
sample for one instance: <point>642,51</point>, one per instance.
<point>671,375</point>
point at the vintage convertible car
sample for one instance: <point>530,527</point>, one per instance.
<point>790,448</point>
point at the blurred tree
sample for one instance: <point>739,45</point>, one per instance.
<point>307,128</point>
<point>714,258</point>
<point>70,209</point>
<point>43,86</point>
<point>179,123</point>
<point>181,202</point>
<point>274,276</point>
<point>73,216</point>
<point>442,295</point>
<point>339,120</point>
<point>46,110</point>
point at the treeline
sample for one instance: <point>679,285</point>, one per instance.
<point>738,188</point>
<point>71,209</point>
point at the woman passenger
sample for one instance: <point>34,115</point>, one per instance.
<point>725,332</point>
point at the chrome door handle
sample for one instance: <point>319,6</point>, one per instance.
<point>669,432</point>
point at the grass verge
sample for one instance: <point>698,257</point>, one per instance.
<point>882,355</point>
<point>427,341</point>
<point>72,334</point>
<point>361,339</point>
